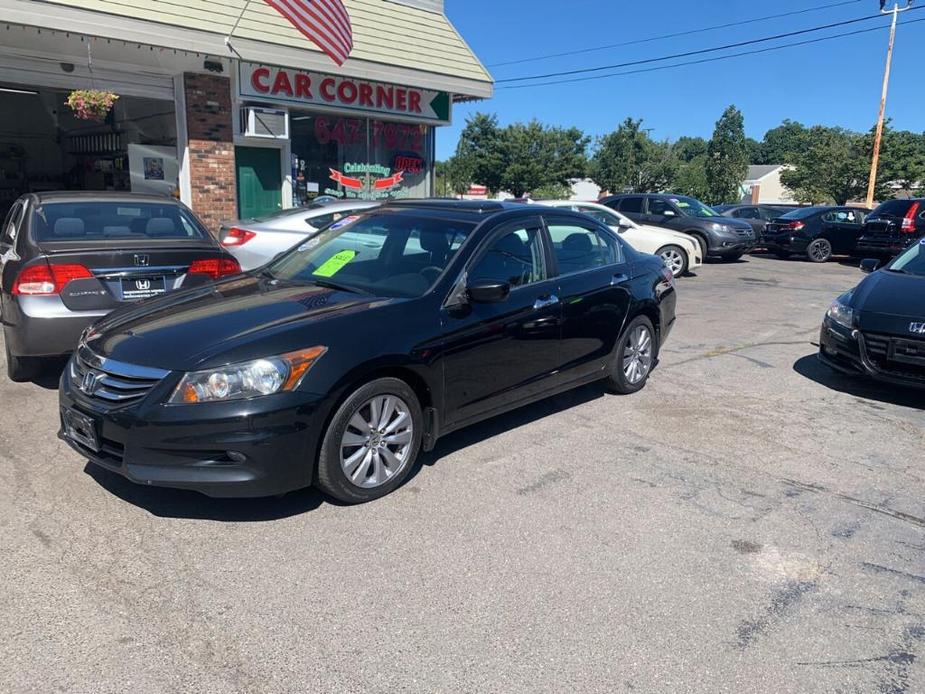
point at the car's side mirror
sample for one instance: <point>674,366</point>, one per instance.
<point>869,265</point>
<point>488,291</point>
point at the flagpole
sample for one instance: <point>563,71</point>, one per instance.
<point>234,28</point>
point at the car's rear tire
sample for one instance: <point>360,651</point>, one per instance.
<point>21,369</point>
<point>637,346</point>
<point>819,251</point>
<point>371,442</point>
<point>675,259</point>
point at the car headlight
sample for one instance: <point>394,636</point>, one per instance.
<point>839,312</point>
<point>718,227</point>
<point>249,379</point>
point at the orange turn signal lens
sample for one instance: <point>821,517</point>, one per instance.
<point>299,363</point>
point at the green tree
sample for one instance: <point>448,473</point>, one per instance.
<point>452,177</point>
<point>536,156</point>
<point>628,158</point>
<point>727,158</point>
<point>687,149</point>
<point>480,151</point>
<point>783,144</point>
<point>691,178</point>
<point>902,160</point>
<point>833,167</point>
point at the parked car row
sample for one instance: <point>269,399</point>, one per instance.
<point>335,362</point>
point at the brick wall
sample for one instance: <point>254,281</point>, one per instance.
<point>211,148</point>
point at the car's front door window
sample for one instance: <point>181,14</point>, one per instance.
<point>578,248</point>
<point>515,257</point>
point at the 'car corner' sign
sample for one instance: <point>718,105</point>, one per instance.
<point>276,84</point>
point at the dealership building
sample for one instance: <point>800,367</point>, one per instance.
<point>225,104</point>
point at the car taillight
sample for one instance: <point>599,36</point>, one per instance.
<point>908,226</point>
<point>214,267</point>
<point>237,237</point>
<point>48,279</point>
<point>795,226</point>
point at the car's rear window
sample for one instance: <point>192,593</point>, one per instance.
<point>802,213</point>
<point>104,221</point>
<point>893,208</point>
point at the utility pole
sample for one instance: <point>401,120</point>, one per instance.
<point>878,137</point>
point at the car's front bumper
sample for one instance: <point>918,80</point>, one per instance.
<point>259,447</point>
<point>844,350</point>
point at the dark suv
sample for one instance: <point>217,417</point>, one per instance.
<point>892,227</point>
<point>718,236</point>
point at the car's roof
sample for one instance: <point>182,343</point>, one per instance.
<point>101,196</point>
<point>464,207</point>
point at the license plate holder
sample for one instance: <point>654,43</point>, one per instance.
<point>80,429</point>
<point>137,288</point>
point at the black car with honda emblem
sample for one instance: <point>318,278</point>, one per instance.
<point>69,258</point>
<point>878,328</point>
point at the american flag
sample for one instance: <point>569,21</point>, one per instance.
<point>324,22</point>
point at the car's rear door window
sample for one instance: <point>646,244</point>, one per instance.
<point>633,205</point>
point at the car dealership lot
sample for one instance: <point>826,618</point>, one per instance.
<point>749,522</point>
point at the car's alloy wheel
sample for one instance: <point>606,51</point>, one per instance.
<point>674,258</point>
<point>371,443</point>
<point>376,444</point>
<point>637,354</point>
<point>819,251</point>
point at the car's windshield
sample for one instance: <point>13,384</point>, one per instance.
<point>105,221</point>
<point>802,213</point>
<point>693,207</point>
<point>912,261</point>
<point>393,254</point>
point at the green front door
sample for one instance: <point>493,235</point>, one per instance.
<point>259,181</point>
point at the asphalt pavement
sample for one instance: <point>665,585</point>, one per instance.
<point>750,522</point>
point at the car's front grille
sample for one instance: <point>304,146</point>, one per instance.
<point>112,381</point>
<point>896,356</point>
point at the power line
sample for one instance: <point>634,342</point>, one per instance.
<point>709,60</point>
<point>701,51</point>
<point>676,35</point>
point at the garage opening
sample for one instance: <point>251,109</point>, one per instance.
<point>44,146</point>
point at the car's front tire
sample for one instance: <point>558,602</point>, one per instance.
<point>21,369</point>
<point>371,442</point>
<point>635,357</point>
<point>675,259</point>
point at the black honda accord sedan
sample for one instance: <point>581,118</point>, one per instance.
<point>878,328</point>
<point>338,362</point>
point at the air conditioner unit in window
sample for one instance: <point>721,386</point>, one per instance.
<point>265,122</point>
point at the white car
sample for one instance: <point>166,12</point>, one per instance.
<point>254,242</point>
<point>680,252</point>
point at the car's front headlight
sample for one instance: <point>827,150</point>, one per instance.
<point>839,312</point>
<point>718,227</point>
<point>249,379</point>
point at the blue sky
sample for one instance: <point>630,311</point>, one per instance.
<point>832,83</point>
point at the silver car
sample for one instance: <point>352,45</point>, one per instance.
<point>254,242</point>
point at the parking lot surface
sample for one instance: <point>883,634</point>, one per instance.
<point>750,522</point>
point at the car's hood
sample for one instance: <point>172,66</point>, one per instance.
<point>243,317</point>
<point>889,302</point>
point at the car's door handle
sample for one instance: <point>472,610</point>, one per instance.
<point>618,278</point>
<point>545,302</point>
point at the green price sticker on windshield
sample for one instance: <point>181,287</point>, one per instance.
<point>334,264</point>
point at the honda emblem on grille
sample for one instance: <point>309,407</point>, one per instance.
<point>90,381</point>
<point>142,259</point>
<point>917,328</point>
<point>143,285</point>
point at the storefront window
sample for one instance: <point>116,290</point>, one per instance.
<point>359,158</point>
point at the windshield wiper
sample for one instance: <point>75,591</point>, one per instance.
<point>335,285</point>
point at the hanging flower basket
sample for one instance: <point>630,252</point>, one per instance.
<point>91,104</point>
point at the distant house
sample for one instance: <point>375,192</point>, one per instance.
<point>762,185</point>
